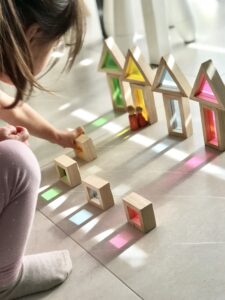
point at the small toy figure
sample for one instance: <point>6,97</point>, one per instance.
<point>132,118</point>
<point>140,118</point>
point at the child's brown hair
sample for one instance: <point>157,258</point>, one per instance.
<point>54,17</point>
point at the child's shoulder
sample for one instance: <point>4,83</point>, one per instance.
<point>5,99</point>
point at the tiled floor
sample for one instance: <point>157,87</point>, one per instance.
<point>183,258</point>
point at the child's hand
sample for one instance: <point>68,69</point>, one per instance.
<point>66,138</point>
<point>11,132</point>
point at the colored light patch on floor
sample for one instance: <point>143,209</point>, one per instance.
<point>121,240</point>
<point>99,122</point>
<point>206,93</point>
<point>134,216</point>
<point>81,217</point>
<point>51,194</point>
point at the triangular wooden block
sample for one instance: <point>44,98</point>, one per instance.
<point>209,87</point>
<point>136,69</point>
<point>169,79</point>
<point>112,59</point>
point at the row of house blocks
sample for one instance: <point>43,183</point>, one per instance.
<point>132,82</point>
<point>139,211</point>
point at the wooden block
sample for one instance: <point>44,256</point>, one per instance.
<point>120,92</point>
<point>136,69</point>
<point>139,212</point>
<point>178,116</point>
<point>213,124</point>
<point>209,88</point>
<point>68,170</point>
<point>98,192</point>
<point>177,85</point>
<point>85,148</point>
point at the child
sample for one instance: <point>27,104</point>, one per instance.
<point>28,32</point>
<point>132,118</point>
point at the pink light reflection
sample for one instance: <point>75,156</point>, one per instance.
<point>121,239</point>
<point>194,162</point>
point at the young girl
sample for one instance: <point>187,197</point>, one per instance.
<point>28,32</point>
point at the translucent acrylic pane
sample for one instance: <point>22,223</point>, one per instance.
<point>110,63</point>
<point>94,197</point>
<point>117,92</point>
<point>205,92</point>
<point>175,120</point>
<point>133,72</point>
<point>139,100</point>
<point>210,126</point>
<point>168,83</point>
<point>134,216</point>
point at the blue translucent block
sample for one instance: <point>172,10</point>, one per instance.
<point>168,83</point>
<point>80,217</point>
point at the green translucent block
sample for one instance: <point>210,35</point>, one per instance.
<point>117,93</point>
<point>109,63</point>
<point>51,193</point>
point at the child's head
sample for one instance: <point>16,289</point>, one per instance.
<point>139,109</point>
<point>130,110</point>
<point>28,32</point>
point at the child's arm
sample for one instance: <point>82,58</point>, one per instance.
<point>26,116</point>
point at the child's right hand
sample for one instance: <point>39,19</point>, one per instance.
<point>11,132</point>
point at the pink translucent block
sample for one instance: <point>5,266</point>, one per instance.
<point>206,92</point>
<point>134,216</point>
<point>210,125</point>
<point>121,239</point>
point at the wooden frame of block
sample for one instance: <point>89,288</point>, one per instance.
<point>111,47</point>
<point>139,212</point>
<point>98,192</point>
<point>147,74</point>
<point>68,170</point>
<point>168,64</point>
<point>125,91</point>
<point>85,148</point>
<point>218,118</point>
<point>208,73</point>
<point>185,129</point>
<point>149,101</point>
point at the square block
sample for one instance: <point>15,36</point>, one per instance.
<point>85,148</point>
<point>98,192</point>
<point>68,170</point>
<point>139,212</point>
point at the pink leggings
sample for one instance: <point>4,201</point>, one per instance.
<point>19,183</point>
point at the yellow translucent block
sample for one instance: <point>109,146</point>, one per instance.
<point>133,72</point>
<point>140,101</point>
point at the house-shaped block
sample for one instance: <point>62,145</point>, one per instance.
<point>209,91</point>
<point>140,77</point>
<point>172,84</point>
<point>112,63</point>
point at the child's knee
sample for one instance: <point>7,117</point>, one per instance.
<point>19,165</point>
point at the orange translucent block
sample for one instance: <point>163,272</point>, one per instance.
<point>134,216</point>
<point>133,72</point>
<point>210,125</point>
<point>205,92</point>
<point>139,100</point>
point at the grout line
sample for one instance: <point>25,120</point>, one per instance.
<point>122,281</point>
